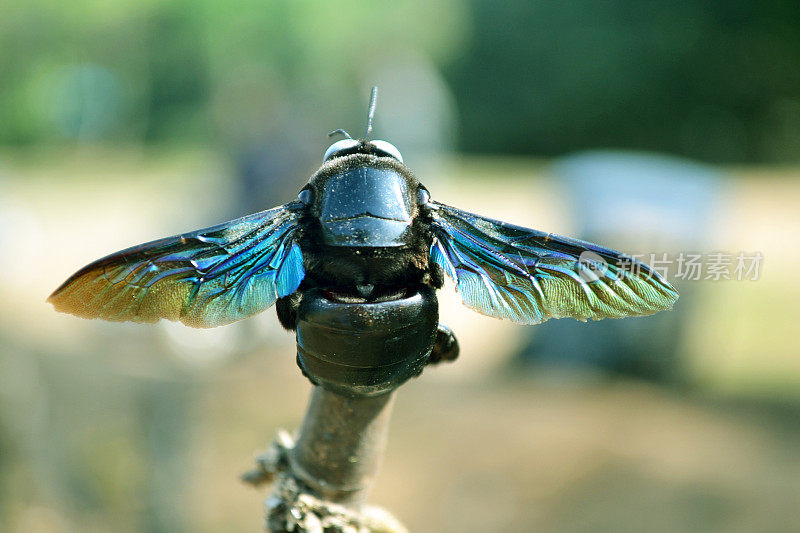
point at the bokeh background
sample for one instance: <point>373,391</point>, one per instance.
<point>648,126</point>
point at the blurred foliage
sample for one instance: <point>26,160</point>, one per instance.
<point>181,70</point>
<point>714,81</point>
<point>718,81</point>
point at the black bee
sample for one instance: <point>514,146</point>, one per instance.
<point>363,229</point>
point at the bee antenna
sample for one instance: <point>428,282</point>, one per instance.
<point>373,100</point>
<point>338,132</point>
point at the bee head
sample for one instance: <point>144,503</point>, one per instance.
<point>350,146</point>
<point>355,146</point>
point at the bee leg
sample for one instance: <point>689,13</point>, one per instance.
<point>445,347</point>
<point>435,277</point>
<point>286,308</point>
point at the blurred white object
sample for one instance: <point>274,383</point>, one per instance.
<point>633,202</point>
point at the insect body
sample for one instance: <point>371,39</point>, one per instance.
<point>363,229</point>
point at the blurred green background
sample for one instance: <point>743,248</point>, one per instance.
<point>648,126</point>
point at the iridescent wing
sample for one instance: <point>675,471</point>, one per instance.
<point>528,276</point>
<point>206,278</point>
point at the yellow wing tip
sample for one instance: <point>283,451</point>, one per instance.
<point>65,305</point>
<point>57,301</point>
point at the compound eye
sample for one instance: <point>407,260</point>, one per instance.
<point>384,148</point>
<point>306,196</point>
<point>423,196</point>
<point>339,148</point>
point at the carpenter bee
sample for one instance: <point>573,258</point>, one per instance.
<point>363,229</point>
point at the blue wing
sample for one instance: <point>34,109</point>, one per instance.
<point>528,276</point>
<point>206,278</point>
